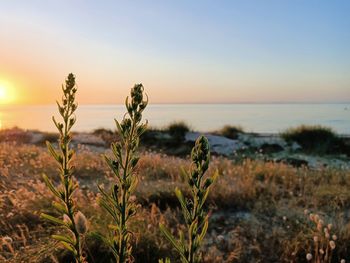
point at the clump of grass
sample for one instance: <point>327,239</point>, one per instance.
<point>178,130</point>
<point>196,219</point>
<point>230,131</point>
<point>324,241</point>
<point>120,202</point>
<point>72,220</point>
<point>313,139</point>
<point>50,137</point>
<point>108,136</point>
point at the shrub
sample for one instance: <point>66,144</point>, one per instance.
<point>230,131</point>
<point>313,139</point>
<point>108,136</point>
<point>120,202</point>
<point>196,219</point>
<point>72,220</point>
<point>178,130</point>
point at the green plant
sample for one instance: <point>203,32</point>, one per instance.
<point>314,139</point>
<point>120,203</point>
<point>72,219</point>
<point>167,260</point>
<point>178,130</point>
<point>230,131</point>
<point>196,218</point>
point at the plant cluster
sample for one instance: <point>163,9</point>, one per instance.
<point>119,202</point>
<point>71,219</point>
<point>230,131</point>
<point>324,241</point>
<point>178,130</point>
<point>196,218</point>
<point>316,139</point>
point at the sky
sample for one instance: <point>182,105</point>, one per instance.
<point>182,51</point>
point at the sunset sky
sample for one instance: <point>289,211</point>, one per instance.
<point>182,51</point>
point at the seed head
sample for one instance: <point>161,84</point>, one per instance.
<point>220,238</point>
<point>312,217</point>
<point>132,198</point>
<point>308,256</point>
<point>7,239</point>
<point>81,222</point>
<point>342,261</point>
<point>334,237</point>
<point>316,218</point>
<point>332,244</point>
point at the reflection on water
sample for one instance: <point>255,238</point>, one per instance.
<point>270,118</point>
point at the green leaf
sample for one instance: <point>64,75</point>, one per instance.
<point>64,239</point>
<point>133,184</point>
<point>57,125</point>
<point>204,198</point>
<point>167,260</point>
<point>215,176</point>
<point>193,228</point>
<point>51,186</point>
<point>111,166</point>
<point>61,208</point>
<point>116,149</point>
<point>184,174</point>
<point>53,152</point>
<point>108,199</point>
<point>182,238</point>
<point>182,201</point>
<point>171,239</point>
<point>52,219</point>
<point>204,229</point>
<point>120,131</point>
<point>69,247</point>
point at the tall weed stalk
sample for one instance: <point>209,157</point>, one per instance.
<point>196,219</point>
<point>119,201</point>
<point>72,219</point>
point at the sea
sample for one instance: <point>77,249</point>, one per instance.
<point>259,118</point>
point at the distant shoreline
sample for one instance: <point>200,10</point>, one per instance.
<point>257,134</point>
<point>188,103</point>
<point>255,118</point>
<point>317,153</point>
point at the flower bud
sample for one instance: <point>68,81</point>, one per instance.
<point>80,222</point>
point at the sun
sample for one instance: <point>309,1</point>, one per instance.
<point>6,93</point>
<point>2,93</point>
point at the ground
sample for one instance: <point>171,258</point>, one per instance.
<point>260,209</point>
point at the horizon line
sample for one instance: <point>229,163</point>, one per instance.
<point>188,103</point>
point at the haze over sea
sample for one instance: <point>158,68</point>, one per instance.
<point>261,118</point>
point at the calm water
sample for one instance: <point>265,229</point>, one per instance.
<point>266,118</point>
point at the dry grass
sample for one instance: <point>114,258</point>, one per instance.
<point>257,207</point>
